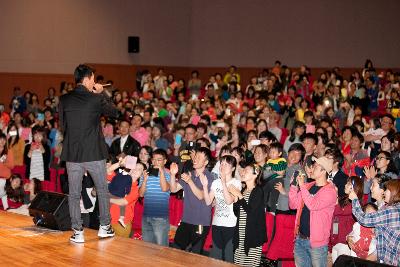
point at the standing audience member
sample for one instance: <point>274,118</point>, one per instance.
<point>193,229</point>
<point>37,156</point>
<point>224,220</point>
<point>155,189</point>
<point>315,203</point>
<point>337,176</point>
<point>124,145</point>
<point>249,209</point>
<point>15,144</point>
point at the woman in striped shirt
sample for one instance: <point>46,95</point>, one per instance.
<point>250,233</point>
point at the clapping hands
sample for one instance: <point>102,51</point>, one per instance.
<point>174,168</point>
<point>370,172</point>
<point>187,177</point>
<point>203,180</point>
<point>234,191</point>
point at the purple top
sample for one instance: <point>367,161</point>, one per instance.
<point>196,211</point>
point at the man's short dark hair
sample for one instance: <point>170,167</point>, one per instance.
<point>203,126</point>
<point>206,152</point>
<point>206,118</point>
<point>83,71</point>
<point>336,155</point>
<point>308,113</point>
<point>268,135</point>
<point>359,136</point>
<point>204,140</point>
<point>298,147</point>
<point>138,115</point>
<point>161,152</point>
<point>310,136</point>
<point>191,126</point>
<point>387,115</point>
<point>121,121</point>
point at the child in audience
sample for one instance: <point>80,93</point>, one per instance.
<point>363,238</point>
<point>120,185</point>
<point>276,162</point>
<point>37,156</point>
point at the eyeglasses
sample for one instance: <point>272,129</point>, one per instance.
<point>379,158</point>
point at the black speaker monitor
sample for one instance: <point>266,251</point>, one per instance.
<point>133,44</point>
<point>51,210</point>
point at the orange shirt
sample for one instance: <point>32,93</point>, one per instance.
<point>5,167</point>
<point>132,197</point>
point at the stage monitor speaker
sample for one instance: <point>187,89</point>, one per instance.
<point>348,261</point>
<point>51,210</point>
<point>133,44</point>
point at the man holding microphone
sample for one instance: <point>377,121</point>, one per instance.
<point>84,147</point>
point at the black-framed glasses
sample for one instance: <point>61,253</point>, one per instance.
<point>379,158</point>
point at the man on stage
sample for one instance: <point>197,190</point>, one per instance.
<point>84,147</point>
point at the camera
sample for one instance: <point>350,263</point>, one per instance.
<point>192,145</point>
<point>153,171</point>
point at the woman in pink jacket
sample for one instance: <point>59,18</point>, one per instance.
<point>315,203</point>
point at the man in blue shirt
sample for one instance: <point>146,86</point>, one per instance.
<point>155,190</point>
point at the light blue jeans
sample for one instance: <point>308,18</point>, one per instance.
<point>155,230</point>
<point>305,256</point>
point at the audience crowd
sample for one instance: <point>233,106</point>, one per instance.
<point>284,167</point>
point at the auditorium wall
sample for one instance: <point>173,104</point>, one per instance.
<point>53,36</point>
<point>42,41</point>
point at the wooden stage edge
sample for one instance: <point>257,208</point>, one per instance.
<point>24,244</point>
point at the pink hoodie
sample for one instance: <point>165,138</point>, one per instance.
<point>321,206</point>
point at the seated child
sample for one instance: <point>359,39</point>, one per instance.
<point>363,238</point>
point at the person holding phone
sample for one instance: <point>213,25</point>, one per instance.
<point>84,147</point>
<point>155,189</point>
<point>184,151</point>
<point>37,155</point>
<point>15,144</point>
<point>315,203</point>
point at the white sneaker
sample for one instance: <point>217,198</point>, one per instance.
<point>77,236</point>
<point>105,231</point>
